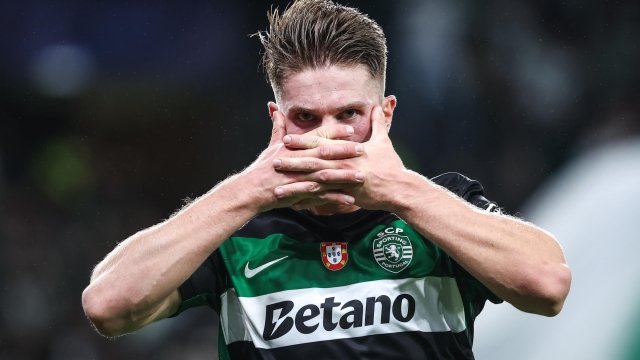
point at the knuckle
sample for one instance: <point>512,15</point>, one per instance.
<point>348,149</point>
<point>310,165</point>
<point>295,154</point>
<point>323,175</point>
<point>314,143</point>
<point>313,187</point>
<point>342,164</point>
<point>325,151</point>
<point>287,191</point>
<point>323,132</point>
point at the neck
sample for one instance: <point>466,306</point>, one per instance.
<point>332,209</point>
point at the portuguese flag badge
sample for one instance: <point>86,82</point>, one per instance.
<point>334,255</point>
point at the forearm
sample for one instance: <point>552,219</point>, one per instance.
<point>130,287</point>
<point>519,262</point>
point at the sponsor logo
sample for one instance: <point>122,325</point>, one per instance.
<point>494,209</point>
<point>279,320</point>
<point>334,255</point>
<point>392,251</point>
<point>249,273</point>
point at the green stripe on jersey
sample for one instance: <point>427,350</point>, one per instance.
<point>279,263</point>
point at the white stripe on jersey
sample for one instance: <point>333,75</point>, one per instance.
<point>438,307</point>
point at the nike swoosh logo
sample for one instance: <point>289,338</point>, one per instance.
<point>249,273</point>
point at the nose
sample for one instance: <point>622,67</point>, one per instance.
<point>329,120</point>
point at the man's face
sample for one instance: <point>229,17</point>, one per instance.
<point>330,96</point>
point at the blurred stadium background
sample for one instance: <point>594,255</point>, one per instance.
<point>112,113</point>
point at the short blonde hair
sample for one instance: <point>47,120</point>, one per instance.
<point>312,34</point>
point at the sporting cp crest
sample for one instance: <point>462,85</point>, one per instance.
<point>393,252</point>
<point>334,255</point>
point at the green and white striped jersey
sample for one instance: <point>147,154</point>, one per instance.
<point>362,285</point>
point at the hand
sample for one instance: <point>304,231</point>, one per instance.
<point>379,164</point>
<point>263,184</point>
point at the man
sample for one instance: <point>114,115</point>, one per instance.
<point>321,283</point>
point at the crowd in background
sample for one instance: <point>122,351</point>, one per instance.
<point>114,114</point>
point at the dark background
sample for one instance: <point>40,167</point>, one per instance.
<point>111,114</point>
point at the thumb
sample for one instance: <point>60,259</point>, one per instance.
<point>378,123</point>
<point>279,130</point>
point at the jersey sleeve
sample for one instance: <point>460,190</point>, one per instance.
<point>472,192</point>
<point>205,285</point>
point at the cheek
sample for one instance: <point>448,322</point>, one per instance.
<point>294,129</point>
<point>362,131</point>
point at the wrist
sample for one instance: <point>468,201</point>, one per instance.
<point>250,190</point>
<point>239,192</point>
<point>410,190</point>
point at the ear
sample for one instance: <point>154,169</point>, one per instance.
<point>272,107</point>
<point>279,127</point>
<point>388,105</point>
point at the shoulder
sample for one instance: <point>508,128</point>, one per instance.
<point>458,183</point>
<point>466,188</point>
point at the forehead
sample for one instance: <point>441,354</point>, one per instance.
<point>328,87</point>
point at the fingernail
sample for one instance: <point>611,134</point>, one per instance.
<point>279,191</point>
<point>350,130</point>
<point>277,163</point>
<point>359,176</point>
<point>349,200</point>
<point>286,139</point>
<point>359,148</point>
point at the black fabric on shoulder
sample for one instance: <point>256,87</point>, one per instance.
<point>468,189</point>
<point>209,278</point>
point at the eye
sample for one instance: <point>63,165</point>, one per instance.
<point>305,116</point>
<point>349,114</point>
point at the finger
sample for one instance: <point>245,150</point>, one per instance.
<point>378,123</point>
<point>278,131</point>
<point>335,197</point>
<point>304,164</point>
<point>307,141</point>
<point>319,170</point>
<point>312,190</point>
<point>331,152</point>
<point>323,148</point>
<point>327,176</point>
<point>337,176</point>
<point>308,203</point>
<point>302,188</point>
<point>332,132</point>
<point>335,151</point>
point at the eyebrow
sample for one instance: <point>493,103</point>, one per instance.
<point>353,105</point>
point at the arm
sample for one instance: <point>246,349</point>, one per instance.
<point>136,284</point>
<point>517,261</point>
